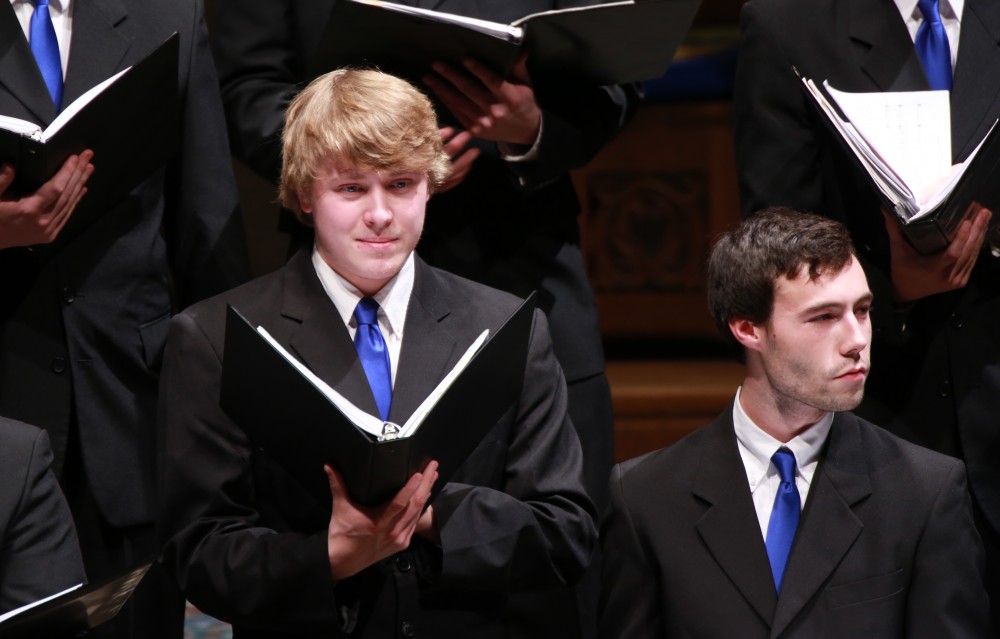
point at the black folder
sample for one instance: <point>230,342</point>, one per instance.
<point>610,43</point>
<point>132,127</point>
<point>76,610</point>
<point>295,423</point>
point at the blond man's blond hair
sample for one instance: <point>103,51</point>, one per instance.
<point>358,118</point>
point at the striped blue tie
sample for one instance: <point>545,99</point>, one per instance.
<point>784,516</point>
<point>932,46</point>
<point>45,47</point>
<point>374,354</point>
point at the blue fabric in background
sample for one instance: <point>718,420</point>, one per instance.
<point>702,77</point>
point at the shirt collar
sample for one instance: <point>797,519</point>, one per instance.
<point>760,447</point>
<point>950,9</point>
<point>58,6</point>
<point>393,298</point>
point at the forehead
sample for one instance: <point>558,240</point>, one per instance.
<point>844,287</point>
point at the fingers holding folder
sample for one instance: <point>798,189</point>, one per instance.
<point>358,537</point>
<point>38,218</point>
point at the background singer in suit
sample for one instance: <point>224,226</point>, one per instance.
<point>84,318</point>
<point>937,319</point>
<point>248,545</point>
<point>882,542</point>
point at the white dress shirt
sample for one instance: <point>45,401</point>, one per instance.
<point>951,18</point>
<point>756,448</point>
<point>61,12</point>
<point>393,300</point>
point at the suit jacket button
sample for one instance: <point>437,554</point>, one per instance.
<point>406,629</point>
<point>59,365</point>
<point>403,564</point>
<point>68,295</point>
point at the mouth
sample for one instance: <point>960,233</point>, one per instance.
<point>856,373</point>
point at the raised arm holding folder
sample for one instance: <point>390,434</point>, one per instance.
<point>294,420</point>
<point>130,121</point>
<point>902,141</point>
<point>612,43</point>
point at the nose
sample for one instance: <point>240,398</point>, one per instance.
<point>858,333</point>
<point>378,215</point>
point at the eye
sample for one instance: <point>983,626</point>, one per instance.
<point>863,310</point>
<point>822,317</point>
<point>401,184</point>
<point>349,188</point>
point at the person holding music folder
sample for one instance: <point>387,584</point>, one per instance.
<point>788,516</point>
<point>86,301</point>
<point>362,155</point>
<point>39,551</point>
<point>937,318</point>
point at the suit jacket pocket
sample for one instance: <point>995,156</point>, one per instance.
<point>865,590</point>
<point>154,336</point>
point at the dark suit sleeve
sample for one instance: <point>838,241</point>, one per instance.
<point>538,531</point>
<point>776,143</point>
<point>40,554</point>
<point>946,597</point>
<point>629,588</point>
<point>203,226</point>
<point>227,564</point>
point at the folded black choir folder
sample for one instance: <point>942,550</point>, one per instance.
<point>297,423</point>
<point>72,611</point>
<point>130,121</point>
<point>610,43</point>
<point>928,213</point>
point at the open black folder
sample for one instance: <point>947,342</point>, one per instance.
<point>296,424</point>
<point>610,43</point>
<point>130,122</point>
<point>74,610</point>
<point>929,226</point>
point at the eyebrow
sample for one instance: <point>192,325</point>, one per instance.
<point>824,306</point>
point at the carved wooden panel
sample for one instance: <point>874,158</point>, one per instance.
<point>653,201</point>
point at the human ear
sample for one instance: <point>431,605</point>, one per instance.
<point>305,203</point>
<point>746,332</point>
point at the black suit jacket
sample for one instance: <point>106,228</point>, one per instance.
<point>249,546</point>
<point>938,381</point>
<point>84,321</point>
<point>886,546</point>
<point>39,552</point>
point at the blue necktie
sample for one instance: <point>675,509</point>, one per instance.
<point>45,48</point>
<point>932,46</point>
<point>374,354</point>
<point>784,516</point>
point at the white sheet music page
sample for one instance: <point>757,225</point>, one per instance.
<point>910,129</point>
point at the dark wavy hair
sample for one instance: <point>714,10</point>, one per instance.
<point>746,262</point>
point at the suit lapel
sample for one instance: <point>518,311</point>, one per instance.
<point>829,526</point>
<point>19,73</point>
<point>887,54</point>
<point>975,95</point>
<point>429,347</point>
<point>98,47</point>
<point>729,526</point>
<point>318,336</point>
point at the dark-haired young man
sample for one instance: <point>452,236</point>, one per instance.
<point>788,516</point>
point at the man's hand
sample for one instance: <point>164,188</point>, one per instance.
<point>915,276</point>
<point>455,144</point>
<point>38,218</point>
<point>487,105</point>
<point>359,537</point>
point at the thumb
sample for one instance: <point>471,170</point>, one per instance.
<point>6,177</point>
<point>337,489</point>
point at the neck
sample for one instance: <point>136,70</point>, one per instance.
<point>777,415</point>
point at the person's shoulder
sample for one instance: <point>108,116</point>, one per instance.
<point>896,459</point>
<point>18,442</point>
<point>472,298</point>
<point>677,462</point>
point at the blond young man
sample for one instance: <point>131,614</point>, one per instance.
<point>362,154</point>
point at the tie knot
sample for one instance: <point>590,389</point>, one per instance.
<point>41,3</point>
<point>366,312</point>
<point>930,9</point>
<point>784,461</point>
